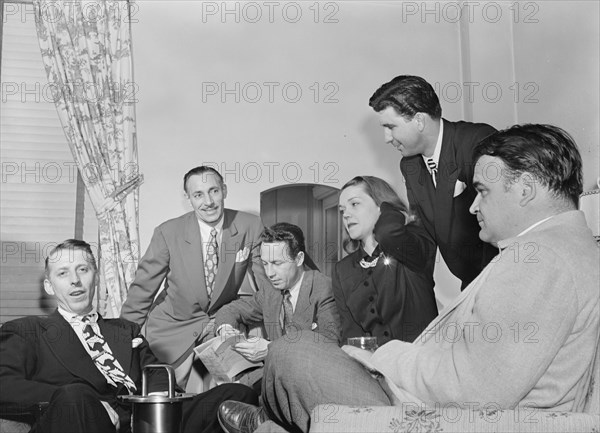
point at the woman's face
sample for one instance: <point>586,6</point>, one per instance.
<point>359,212</point>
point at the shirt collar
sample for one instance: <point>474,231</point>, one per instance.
<point>71,317</point>
<point>437,150</point>
<point>205,229</point>
<point>504,243</point>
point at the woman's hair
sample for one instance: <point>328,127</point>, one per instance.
<point>379,190</point>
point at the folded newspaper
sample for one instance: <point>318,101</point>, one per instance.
<point>222,361</point>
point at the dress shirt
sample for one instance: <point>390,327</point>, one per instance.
<point>205,230</point>
<point>436,152</point>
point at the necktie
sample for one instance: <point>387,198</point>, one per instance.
<point>288,311</point>
<point>433,169</point>
<point>211,262</point>
<point>104,359</point>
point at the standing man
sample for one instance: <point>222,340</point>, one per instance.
<point>528,180</point>
<point>298,298</point>
<point>437,165</point>
<point>79,362</point>
<point>203,257</point>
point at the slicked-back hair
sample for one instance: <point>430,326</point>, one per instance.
<point>71,245</point>
<point>293,236</point>
<point>408,95</point>
<point>379,190</point>
<point>547,152</point>
<point>200,171</point>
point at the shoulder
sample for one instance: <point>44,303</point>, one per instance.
<point>175,223</point>
<point>241,217</point>
<point>29,328</point>
<point>319,279</point>
<point>467,130</point>
<point>123,324</point>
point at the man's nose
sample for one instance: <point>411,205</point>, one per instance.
<point>475,205</point>
<point>75,280</point>
<point>387,134</point>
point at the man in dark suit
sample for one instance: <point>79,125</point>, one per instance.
<point>437,164</point>
<point>283,254</point>
<point>203,257</point>
<point>79,362</point>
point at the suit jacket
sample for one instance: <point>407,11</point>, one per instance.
<point>182,312</point>
<point>315,307</point>
<point>39,355</point>
<point>403,303</point>
<point>445,216</point>
<point>524,333</point>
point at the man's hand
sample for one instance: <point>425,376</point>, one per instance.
<point>253,348</point>
<point>225,331</point>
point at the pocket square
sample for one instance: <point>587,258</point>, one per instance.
<point>459,187</point>
<point>136,342</point>
<point>242,255</point>
<point>313,326</point>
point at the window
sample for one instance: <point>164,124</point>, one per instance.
<point>42,202</point>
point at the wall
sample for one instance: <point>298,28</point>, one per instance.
<point>190,56</point>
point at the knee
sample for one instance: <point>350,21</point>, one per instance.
<point>238,392</point>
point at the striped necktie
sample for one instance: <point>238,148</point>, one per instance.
<point>102,356</point>
<point>287,311</point>
<point>211,262</point>
<point>433,170</point>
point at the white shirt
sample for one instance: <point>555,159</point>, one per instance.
<point>205,230</point>
<point>295,291</point>
<point>436,152</point>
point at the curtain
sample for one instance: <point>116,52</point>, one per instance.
<point>86,50</point>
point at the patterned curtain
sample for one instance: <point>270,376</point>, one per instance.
<point>86,49</point>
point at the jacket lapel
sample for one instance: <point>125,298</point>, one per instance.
<point>118,341</point>
<point>194,260</point>
<point>68,349</point>
<point>227,255</point>
<point>447,177</point>
<point>303,304</point>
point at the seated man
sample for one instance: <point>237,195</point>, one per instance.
<point>298,298</point>
<point>79,362</point>
<point>523,333</point>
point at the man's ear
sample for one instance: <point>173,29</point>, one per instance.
<point>528,188</point>
<point>224,191</point>
<point>420,119</point>
<point>48,287</point>
<point>300,258</point>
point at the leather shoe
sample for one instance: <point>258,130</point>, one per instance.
<point>237,417</point>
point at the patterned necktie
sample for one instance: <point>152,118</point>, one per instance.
<point>104,359</point>
<point>288,311</point>
<point>433,169</point>
<point>211,261</point>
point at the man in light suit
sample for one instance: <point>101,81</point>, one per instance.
<point>283,254</point>
<point>410,113</point>
<point>203,257</point>
<point>79,362</point>
<point>523,334</point>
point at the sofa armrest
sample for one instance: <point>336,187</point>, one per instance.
<point>450,419</point>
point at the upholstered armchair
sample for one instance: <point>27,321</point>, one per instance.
<point>348,419</point>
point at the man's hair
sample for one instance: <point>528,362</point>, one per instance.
<point>408,95</point>
<point>201,170</point>
<point>293,236</point>
<point>70,245</point>
<point>379,190</point>
<point>548,152</point>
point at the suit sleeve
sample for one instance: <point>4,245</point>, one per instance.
<point>247,310</point>
<point>149,276</point>
<point>256,277</point>
<point>18,360</point>
<point>328,317</point>
<point>488,361</point>
<point>407,243</point>
<point>348,324</point>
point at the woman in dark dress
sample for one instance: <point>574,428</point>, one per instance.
<point>384,287</point>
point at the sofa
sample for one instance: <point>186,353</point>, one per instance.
<point>450,419</point>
